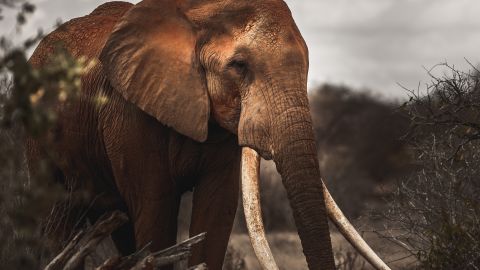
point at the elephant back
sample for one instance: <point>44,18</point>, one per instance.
<point>83,36</point>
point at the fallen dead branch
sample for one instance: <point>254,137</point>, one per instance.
<point>154,260</point>
<point>85,242</point>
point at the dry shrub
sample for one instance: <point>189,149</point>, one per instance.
<point>349,260</point>
<point>435,212</point>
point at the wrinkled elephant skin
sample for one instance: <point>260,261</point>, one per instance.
<point>185,84</point>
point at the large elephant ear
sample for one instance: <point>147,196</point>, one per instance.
<point>150,59</point>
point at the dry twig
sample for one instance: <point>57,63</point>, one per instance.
<point>85,242</point>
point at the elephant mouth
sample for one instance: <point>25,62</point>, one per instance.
<point>250,171</point>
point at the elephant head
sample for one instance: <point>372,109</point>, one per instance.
<point>242,64</point>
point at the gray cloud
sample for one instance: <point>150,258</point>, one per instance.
<point>379,43</point>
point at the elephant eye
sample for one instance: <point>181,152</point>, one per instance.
<point>238,66</point>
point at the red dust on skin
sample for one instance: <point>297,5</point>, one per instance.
<point>188,83</point>
<point>224,94</point>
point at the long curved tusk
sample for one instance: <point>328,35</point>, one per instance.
<point>253,215</point>
<point>348,231</point>
<point>251,205</point>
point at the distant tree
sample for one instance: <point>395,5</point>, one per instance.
<point>359,143</point>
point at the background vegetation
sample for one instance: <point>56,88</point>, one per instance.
<point>434,212</point>
<point>27,100</point>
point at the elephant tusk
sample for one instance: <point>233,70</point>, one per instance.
<point>251,205</point>
<point>348,231</point>
<point>253,215</point>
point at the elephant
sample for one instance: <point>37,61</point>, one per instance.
<point>191,87</point>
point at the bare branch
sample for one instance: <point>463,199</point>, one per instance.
<point>85,242</point>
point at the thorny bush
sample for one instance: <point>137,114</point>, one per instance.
<point>435,212</point>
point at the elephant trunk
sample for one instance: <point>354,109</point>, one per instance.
<point>278,125</point>
<point>292,147</point>
<point>295,154</point>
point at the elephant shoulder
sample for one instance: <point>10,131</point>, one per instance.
<point>83,36</point>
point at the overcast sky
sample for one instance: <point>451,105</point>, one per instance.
<point>372,44</point>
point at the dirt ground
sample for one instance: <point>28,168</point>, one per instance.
<point>287,250</point>
<point>288,254</point>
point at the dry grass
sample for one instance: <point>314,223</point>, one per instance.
<point>287,248</point>
<point>288,254</point>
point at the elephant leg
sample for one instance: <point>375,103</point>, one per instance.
<point>157,223</point>
<point>215,200</point>
<point>124,239</point>
<point>137,148</point>
<point>154,219</point>
<point>152,201</point>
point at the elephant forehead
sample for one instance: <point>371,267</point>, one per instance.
<point>270,28</point>
<point>224,44</point>
<point>274,14</point>
<point>268,17</point>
